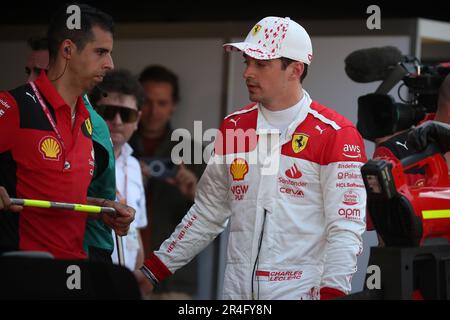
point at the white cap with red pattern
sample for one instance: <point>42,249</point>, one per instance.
<point>273,38</point>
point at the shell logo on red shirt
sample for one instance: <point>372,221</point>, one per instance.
<point>50,148</point>
<point>239,169</point>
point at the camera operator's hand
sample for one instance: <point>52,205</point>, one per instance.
<point>430,132</point>
<point>186,182</point>
<point>146,174</point>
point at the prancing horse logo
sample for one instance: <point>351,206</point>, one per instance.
<point>299,142</point>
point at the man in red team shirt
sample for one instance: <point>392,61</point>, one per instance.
<point>46,142</point>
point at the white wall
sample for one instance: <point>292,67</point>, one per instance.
<point>198,64</point>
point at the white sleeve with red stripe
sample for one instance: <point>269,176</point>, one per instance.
<point>344,205</point>
<point>204,221</point>
<point>9,120</point>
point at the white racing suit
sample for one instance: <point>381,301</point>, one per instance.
<point>296,218</point>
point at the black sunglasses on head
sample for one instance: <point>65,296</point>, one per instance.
<point>108,112</point>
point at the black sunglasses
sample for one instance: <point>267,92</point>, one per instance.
<point>108,112</point>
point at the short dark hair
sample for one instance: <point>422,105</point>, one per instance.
<point>158,73</point>
<point>119,81</point>
<point>38,43</point>
<point>90,17</point>
<point>285,62</point>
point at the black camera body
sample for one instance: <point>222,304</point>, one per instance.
<point>160,168</point>
<point>379,115</point>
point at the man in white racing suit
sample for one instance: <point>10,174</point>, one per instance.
<point>286,175</point>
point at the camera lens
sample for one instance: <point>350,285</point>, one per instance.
<point>157,168</point>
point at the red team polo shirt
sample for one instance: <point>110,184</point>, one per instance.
<point>35,164</point>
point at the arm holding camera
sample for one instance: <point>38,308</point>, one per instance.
<point>186,182</point>
<point>431,132</point>
<point>181,177</point>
